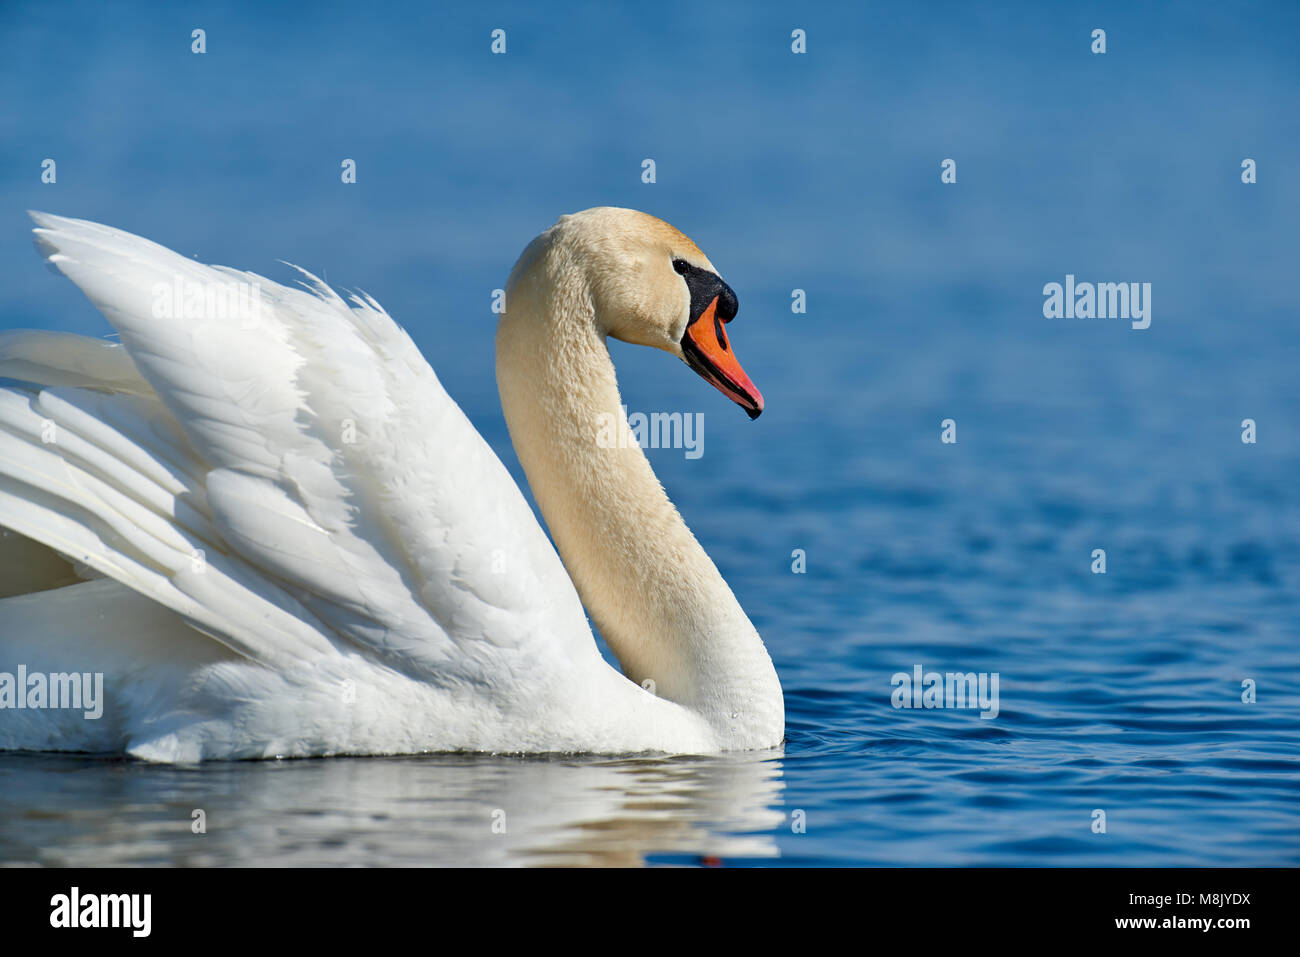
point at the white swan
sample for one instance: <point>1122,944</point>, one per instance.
<point>273,532</point>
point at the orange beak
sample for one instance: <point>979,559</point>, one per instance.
<point>708,352</point>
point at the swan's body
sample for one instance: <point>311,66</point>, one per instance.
<point>275,534</point>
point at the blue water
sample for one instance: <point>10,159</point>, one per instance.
<point>1120,692</point>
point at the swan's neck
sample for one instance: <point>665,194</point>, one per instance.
<point>656,596</point>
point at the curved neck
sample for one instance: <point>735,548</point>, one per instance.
<point>654,593</point>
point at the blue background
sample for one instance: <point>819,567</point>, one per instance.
<point>821,172</point>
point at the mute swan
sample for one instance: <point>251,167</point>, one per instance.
<point>273,532</point>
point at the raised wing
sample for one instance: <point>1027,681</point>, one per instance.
<point>337,499</point>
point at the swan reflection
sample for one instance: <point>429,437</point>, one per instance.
<point>429,810</point>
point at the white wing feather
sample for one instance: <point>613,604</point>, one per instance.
<point>296,485</point>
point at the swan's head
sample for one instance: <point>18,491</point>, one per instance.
<point>651,286</point>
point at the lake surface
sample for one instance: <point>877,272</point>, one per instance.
<point>1119,692</point>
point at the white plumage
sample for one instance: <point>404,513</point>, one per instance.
<point>305,547</point>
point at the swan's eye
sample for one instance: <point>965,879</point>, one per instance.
<point>680,266</point>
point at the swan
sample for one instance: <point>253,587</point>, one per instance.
<point>270,532</point>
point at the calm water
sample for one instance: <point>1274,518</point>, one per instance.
<point>1119,692</point>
